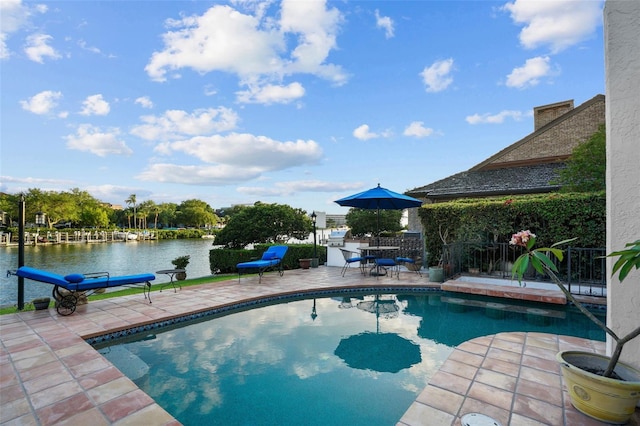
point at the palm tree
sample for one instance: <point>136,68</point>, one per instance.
<point>132,200</point>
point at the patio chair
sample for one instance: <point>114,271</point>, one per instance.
<point>351,257</point>
<point>386,265</point>
<point>409,263</point>
<point>271,258</point>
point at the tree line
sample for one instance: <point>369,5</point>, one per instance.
<point>79,209</point>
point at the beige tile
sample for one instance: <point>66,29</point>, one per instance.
<point>500,366</point>
<point>150,415</point>
<point>441,399</point>
<point>421,415</point>
<point>540,391</point>
<point>452,382</point>
<point>538,410</point>
<point>55,394</point>
<point>459,369</point>
<point>539,376</point>
<point>113,389</point>
<point>467,358</point>
<point>497,380</point>
<point>489,394</point>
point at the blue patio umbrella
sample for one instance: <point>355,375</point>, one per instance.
<point>379,198</point>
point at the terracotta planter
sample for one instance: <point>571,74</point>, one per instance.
<point>605,399</point>
<point>305,263</point>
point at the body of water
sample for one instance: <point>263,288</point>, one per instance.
<point>117,258</point>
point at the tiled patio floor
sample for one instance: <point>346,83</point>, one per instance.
<point>50,375</point>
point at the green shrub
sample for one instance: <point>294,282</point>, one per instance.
<point>553,216</point>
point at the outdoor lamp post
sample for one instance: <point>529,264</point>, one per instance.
<point>314,218</point>
<point>314,314</point>
<point>21,251</point>
<point>40,219</point>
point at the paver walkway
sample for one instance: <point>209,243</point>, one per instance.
<point>50,375</point>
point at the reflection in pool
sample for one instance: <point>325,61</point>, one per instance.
<point>353,360</point>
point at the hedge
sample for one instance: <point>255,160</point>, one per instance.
<point>226,259</point>
<point>552,217</point>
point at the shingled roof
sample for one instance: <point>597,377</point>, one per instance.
<point>533,179</point>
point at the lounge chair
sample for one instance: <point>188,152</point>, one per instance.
<point>66,303</point>
<point>270,259</point>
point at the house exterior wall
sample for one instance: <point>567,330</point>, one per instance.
<point>559,140</point>
<point>622,65</point>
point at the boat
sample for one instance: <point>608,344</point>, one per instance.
<point>208,237</point>
<point>120,235</point>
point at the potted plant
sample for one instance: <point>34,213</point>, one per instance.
<point>41,303</point>
<point>601,387</point>
<point>181,262</point>
<point>305,263</point>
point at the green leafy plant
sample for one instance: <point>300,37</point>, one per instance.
<point>540,260</point>
<point>181,262</point>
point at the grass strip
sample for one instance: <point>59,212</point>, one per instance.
<point>28,306</point>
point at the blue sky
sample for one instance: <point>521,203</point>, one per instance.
<point>292,102</point>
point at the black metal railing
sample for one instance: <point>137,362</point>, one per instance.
<point>582,270</point>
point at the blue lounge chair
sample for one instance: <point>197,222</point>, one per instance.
<point>270,259</point>
<point>66,303</point>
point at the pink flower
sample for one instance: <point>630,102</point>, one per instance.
<point>521,238</point>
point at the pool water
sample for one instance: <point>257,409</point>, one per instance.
<point>331,361</point>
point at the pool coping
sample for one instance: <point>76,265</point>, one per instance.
<point>49,373</point>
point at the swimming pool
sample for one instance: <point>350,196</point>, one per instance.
<point>287,363</point>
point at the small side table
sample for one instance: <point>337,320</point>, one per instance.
<point>171,273</point>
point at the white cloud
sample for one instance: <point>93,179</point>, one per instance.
<point>293,187</point>
<point>495,118</point>
<point>4,50</point>
<point>249,151</point>
<point>530,73</point>
<point>364,134</point>
<point>95,105</point>
<point>174,124</point>
<point>198,175</point>
<point>37,48</point>
<point>144,102</point>
<point>437,76</point>
<point>251,46</point>
<point>231,159</point>
<point>42,103</point>
<point>92,139</point>
<point>14,15</point>
<point>559,24</point>
<point>418,130</point>
<point>83,45</point>
<point>271,94</point>
<point>385,23</point>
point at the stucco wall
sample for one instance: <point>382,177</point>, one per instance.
<point>622,66</point>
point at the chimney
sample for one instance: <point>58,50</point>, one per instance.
<point>545,114</point>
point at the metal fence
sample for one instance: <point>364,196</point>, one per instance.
<point>582,270</point>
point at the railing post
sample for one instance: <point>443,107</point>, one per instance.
<point>569,268</point>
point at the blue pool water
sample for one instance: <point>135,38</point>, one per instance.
<point>331,361</point>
